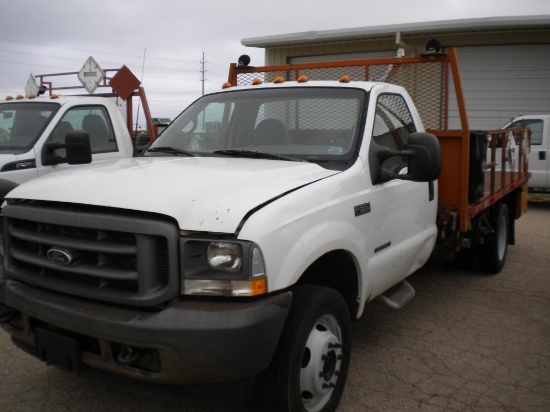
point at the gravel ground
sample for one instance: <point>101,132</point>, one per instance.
<point>467,342</point>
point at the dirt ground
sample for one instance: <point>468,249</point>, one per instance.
<point>467,342</point>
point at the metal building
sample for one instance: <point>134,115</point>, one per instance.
<point>504,61</point>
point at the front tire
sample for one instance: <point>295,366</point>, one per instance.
<point>309,370</point>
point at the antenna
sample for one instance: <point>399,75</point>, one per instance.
<point>202,71</point>
<point>140,81</point>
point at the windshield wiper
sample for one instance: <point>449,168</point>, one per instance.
<point>171,150</point>
<point>253,154</point>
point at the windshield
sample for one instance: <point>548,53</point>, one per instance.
<point>22,123</point>
<point>317,124</point>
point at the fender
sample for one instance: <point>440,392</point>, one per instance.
<point>6,186</point>
<point>295,230</point>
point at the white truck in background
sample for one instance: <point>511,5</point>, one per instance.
<point>539,156</point>
<point>33,128</point>
<point>33,131</point>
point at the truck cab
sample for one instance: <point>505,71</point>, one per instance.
<point>539,156</point>
<point>33,129</point>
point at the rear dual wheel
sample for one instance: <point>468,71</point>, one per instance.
<point>493,252</point>
<point>491,255</point>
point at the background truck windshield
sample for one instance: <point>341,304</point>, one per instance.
<point>308,123</point>
<point>22,123</point>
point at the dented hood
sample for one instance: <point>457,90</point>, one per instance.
<point>210,194</point>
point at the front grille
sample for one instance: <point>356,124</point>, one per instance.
<point>100,253</point>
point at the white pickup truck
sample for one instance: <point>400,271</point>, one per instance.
<point>539,157</point>
<point>33,128</point>
<point>32,134</point>
<point>236,251</point>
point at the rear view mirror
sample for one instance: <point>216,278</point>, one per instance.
<point>422,157</point>
<point>142,141</point>
<point>77,148</point>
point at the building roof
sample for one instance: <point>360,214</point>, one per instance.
<point>441,26</point>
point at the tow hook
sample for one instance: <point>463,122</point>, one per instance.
<point>128,355</point>
<point>7,315</point>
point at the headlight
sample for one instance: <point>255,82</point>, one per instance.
<point>224,256</point>
<point>222,268</point>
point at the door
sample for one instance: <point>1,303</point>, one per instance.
<point>401,226</point>
<point>539,156</point>
<point>93,119</point>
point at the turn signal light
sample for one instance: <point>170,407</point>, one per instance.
<point>344,79</point>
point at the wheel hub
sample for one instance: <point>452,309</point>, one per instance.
<point>320,364</point>
<point>329,365</point>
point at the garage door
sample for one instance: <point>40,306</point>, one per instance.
<point>500,82</point>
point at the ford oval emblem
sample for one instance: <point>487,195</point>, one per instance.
<point>60,256</point>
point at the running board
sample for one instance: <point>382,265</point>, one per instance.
<point>398,296</point>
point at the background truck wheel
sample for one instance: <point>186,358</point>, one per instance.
<point>309,370</point>
<point>493,253</point>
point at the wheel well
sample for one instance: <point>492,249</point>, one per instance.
<point>6,186</point>
<point>338,271</point>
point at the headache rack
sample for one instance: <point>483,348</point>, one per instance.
<point>433,82</point>
<point>119,85</point>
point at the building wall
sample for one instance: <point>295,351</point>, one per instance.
<point>504,72</point>
<point>416,43</point>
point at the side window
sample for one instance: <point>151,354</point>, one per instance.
<point>393,122</point>
<point>94,120</point>
<point>536,129</point>
<point>392,126</point>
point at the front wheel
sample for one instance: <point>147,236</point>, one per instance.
<point>493,253</point>
<point>309,370</point>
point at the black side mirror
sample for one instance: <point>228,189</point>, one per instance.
<point>424,158</point>
<point>142,141</point>
<point>77,147</point>
<point>423,155</point>
<point>79,150</point>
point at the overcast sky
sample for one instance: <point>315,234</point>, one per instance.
<point>170,36</point>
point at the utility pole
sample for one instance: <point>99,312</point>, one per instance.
<point>202,72</point>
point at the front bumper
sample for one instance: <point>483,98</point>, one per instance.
<point>190,342</point>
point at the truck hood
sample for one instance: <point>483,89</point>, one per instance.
<point>209,194</point>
